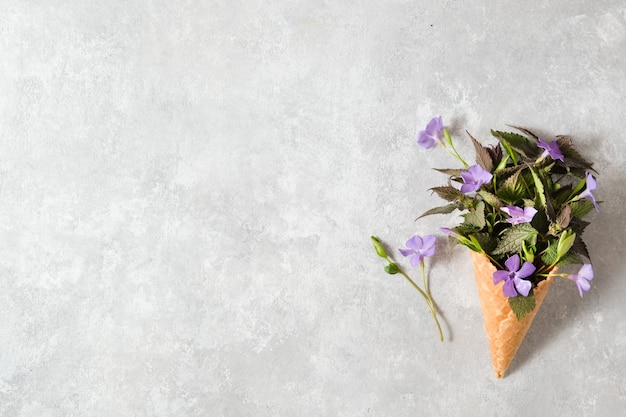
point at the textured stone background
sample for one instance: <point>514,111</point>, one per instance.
<point>187,191</point>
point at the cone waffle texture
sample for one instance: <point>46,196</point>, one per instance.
<point>505,332</point>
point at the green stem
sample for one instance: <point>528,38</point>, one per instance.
<point>425,294</point>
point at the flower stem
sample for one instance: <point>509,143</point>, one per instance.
<point>426,295</point>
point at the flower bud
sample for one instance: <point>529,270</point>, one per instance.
<point>378,247</point>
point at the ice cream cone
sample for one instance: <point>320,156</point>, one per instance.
<point>505,332</point>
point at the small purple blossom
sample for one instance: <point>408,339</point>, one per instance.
<point>591,186</point>
<point>513,278</point>
<point>552,149</point>
<point>582,278</point>
<point>474,177</point>
<point>518,214</point>
<point>433,133</point>
<point>419,248</point>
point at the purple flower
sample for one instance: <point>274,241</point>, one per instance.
<point>519,215</point>
<point>433,133</point>
<point>552,149</point>
<point>582,278</point>
<point>591,185</point>
<point>419,248</point>
<point>474,177</point>
<point>513,278</point>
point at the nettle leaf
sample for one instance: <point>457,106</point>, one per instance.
<point>490,198</point>
<point>581,208</point>
<point>487,241</point>
<point>572,157</point>
<point>526,132</point>
<point>448,193</point>
<point>476,217</point>
<point>512,239</point>
<point>483,157</point>
<point>580,248</point>
<point>513,189</point>
<point>578,225</point>
<point>549,257</point>
<point>519,143</point>
<point>521,305</point>
<point>455,173</point>
<point>466,229</point>
<point>569,259</point>
<point>448,208</point>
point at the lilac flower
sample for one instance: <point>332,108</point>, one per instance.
<point>419,248</point>
<point>591,185</point>
<point>513,278</point>
<point>433,133</point>
<point>474,177</point>
<point>582,278</point>
<point>552,149</point>
<point>519,215</point>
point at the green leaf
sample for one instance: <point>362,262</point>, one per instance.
<point>549,256</point>
<point>448,208</point>
<point>513,189</point>
<point>448,193</point>
<point>519,143</point>
<point>476,217</point>
<point>392,269</point>
<point>486,241</point>
<point>456,173</point>
<point>571,158</point>
<point>540,190</point>
<point>483,157</point>
<point>522,305</point>
<point>491,199</point>
<point>512,238</point>
<point>581,208</point>
<point>570,258</point>
<point>526,132</point>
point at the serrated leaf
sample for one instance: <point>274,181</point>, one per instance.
<point>450,171</point>
<point>578,225</point>
<point>513,188</point>
<point>511,239</point>
<point>521,305</point>
<point>486,241</point>
<point>483,157</point>
<point>549,257</point>
<point>580,248</point>
<point>519,143</point>
<point>569,259</point>
<point>526,132</point>
<point>447,192</point>
<point>490,198</point>
<point>449,208</point>
<point>581,208</point>
<point>571,156</point>
<point>476,217</point>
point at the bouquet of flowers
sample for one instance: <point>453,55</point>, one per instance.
<point>523,205</point>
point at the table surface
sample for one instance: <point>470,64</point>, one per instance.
<point>188,190</point>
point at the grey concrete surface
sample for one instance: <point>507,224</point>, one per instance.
<point>187,191</point>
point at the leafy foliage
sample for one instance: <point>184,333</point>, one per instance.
<point>523,175</point>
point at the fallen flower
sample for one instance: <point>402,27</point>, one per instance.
<point>433,133</point>
<point>419,248</point>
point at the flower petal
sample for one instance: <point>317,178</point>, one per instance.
<point>425,140</point>
<point>586,271</point>
<point>508,289</point>
<point>512,263</point>
<point>415,260</point>
<point>406,252</point>
<point>526,270</point>
<point>500,275</point>
<point>414,243</point>
<point>523,286</point>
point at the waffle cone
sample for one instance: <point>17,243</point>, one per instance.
<point>505,332</point>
